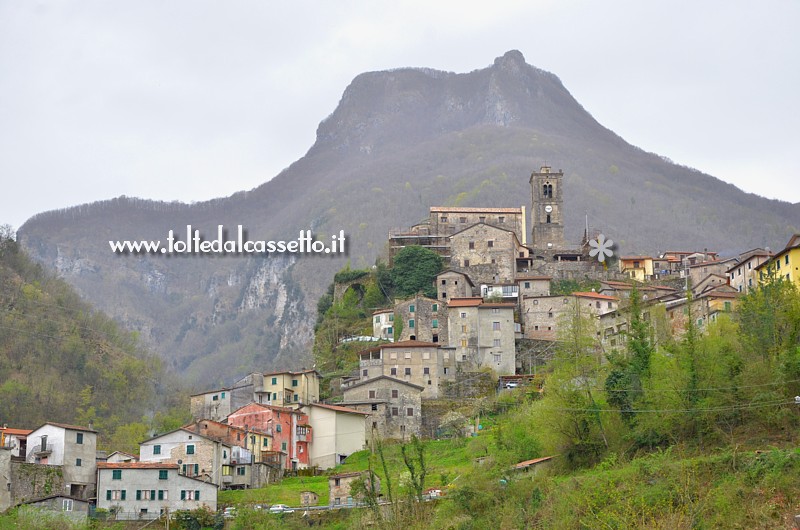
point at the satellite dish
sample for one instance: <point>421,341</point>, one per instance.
<point>180,462</point>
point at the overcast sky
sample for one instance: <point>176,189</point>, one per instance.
<point>190,100</point>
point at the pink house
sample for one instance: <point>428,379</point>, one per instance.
<point>290,430</point>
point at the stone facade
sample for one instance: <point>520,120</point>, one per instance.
<point>34,481</point>
<point>743,276</point>
<point>486,254</point>
<point>394,406</point>
<point>200,456</point>
<point>339,487</point>
<point>5,478</point>
<point>483,334</point>
<point>424,319</point>
<point>544,315</point>
<point>415,362</point>
<point>533,285</point>
<point>453,284</point>
<point>547,215</point>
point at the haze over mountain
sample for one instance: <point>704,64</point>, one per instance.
<point>398,142</point>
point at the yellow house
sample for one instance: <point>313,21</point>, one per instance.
<point>784,265</point>
<point>639,268</point>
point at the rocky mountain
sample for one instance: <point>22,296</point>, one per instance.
<point>398,142</point>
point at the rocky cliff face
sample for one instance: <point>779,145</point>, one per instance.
<point>398,142</point>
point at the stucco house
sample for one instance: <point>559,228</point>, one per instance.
<point>72,447</point>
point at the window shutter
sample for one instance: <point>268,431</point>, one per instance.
<point>138,495</point>
<point>108,495</point>
<point>152,494</point>
<point>197,495</point>
<point>183,495</point>
<point>122,495</point>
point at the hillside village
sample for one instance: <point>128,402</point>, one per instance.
<point>500,307</point>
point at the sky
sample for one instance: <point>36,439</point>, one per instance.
<point>190,99</point>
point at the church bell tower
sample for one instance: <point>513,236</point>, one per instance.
<point>547,222</point>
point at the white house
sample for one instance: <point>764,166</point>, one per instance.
<point>338,432</point>
<point>71,447</point>
<point>145,490</point>
<point>198,456</point>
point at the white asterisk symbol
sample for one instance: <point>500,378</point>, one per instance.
<point>601,248</point>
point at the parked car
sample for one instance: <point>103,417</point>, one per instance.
<point>512,384</point>
<point>280,508</point>
<point>229,512</point>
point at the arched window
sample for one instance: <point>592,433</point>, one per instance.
<point>548,218</point>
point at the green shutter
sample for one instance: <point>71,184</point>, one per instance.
<point>183,495</point>
<point>196,469</point>
<point>138,495</point>
<point>152,494</point>
<point>108,495</point>
<point>197,495</point>
<point>161,495</point>
<point>122,495</point>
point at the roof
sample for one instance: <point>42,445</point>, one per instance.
<point>289,372</point>
<point>713,293</point>
<point>529,463</point>
<point>706,263</point>
<point>584,294</point>
<point>66,426</point>
<point>56,496</point>
<point>392,379</point>
<point>16,432</point>
<point>262,405</point>
<point>453,209</point>
<point>634,257</point>
<point>336,408</point>
<point>379,311</point>
<point>534,278</point>
<point>209,392</point>
<point>136,465</point>
<point>472,301</point>
<point>122,453</point>
<point>493,227</point>
<point>452,271</point>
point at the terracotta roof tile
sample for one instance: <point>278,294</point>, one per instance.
<point>594,295</point>
<point>136,465</point>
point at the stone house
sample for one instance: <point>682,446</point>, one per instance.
<point>419,363</point>
<point>383,324</point>
<point>289,429</point>
<point>701,270</point>
<point>199,456</point>
<point>339,432</point>
<point>532,285</point>
<point>394,406</point>
<point>544,315</point>
<point>483,334</point>
<point>423,319</point>
<point>74,508</point>
<point>146,490</point>
<point>487,254</point>
<point>453,284</point>
<point>212,405</point>
<point>339,487</point>
<point>742,274</point>
<point>120,456</point>
<point>711,281</point>
<point>73,448</point>
<point>308,498</point>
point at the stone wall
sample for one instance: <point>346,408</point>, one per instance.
<point>32,481</point>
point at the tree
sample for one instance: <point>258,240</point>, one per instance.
<point>415,269</point>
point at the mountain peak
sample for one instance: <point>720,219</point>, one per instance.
<point>511,60</point>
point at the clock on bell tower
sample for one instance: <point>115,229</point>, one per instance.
<point>547,224</point>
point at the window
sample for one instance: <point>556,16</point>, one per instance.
<point>190,449</point>
<point>527,285</point>
<point>409,411</point>
<point>394,393</point>
<point>274,396</point>
<point>597,304</point>
<point>394,411</point>
<point>435,307</point>
<point>411,308</point>
<point>374,406</point>
<point>145,495</point>
<point>408,371</point>
<point>496,357</point>
<point>163,495</point>
<point>501,219</point>
<point>278,428</point>
<point>190,495</point>
<point>115,495</point>
<point>466,263</point>
<point>787,259</point>
<point>548,219</point>
<point>391,317</point>
<point>495,326</point>
<point>463,315</point>
<point>463,328</point>
<point>389,331</point>
<point>294,382</point>
<point>490,243</point>
<point>444,219</point>
<point>240,471</point>
<point>435,338</point>
<point>482,219</point>
<point>495,311</point>
<point>274,380</point>
<point>222,395</point>
<point>283,446</point>
<point>426,371</point>
<point>408,355</point>
<point>549,314</point>
<point>163,474</point>
<point>215,397</point>
<point>67,505</point>
<point>444,282</point>
<point>377,319</point>
<point>411,323</point>
<point>372,394</point>
<point>609,305</point>
<point>393,371</point>
<point>463,343</point>
<point>462,219</point>
<point>79,438</point>
<point>472,245</point>
<point>264,442</point>
<point>496,343</point>
<point>116,474</point>
<point>365,372</point>
<point>435,323</point>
